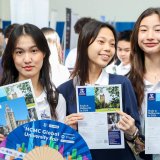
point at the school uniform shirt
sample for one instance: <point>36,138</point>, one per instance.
<point>120,69</point>
<point>43,108</point>
<point>123,69</point>
<point>129,104</point>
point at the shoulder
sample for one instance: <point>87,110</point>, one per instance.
<point>66,84</point>
<point>119,79</point>
<point>66,87</point>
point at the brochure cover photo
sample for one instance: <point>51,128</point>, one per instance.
<point>45,138</point>
<point>17,105</point>
<point>99,105</point>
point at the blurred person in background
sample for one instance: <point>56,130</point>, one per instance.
<point>59,72</point>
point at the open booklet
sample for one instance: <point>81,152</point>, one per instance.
<point>17,105</point>
<point>99,105</point>
<point>152,121</point>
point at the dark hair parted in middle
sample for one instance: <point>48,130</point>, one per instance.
<point>87,36</point>
<point>10,73</point>
<point>137,57</point>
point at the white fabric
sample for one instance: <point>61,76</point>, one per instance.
<point>71,59</point>
<point>120,69</point>
<point>103,79</point>
<point>43,108</point>
<point>59,73</point>
<point>123,69</point>
<point>111,68</point>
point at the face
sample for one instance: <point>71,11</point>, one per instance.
<point>149,35</point>
<point>102,50</point>
<point>28,59</point>
<point>123,51</point>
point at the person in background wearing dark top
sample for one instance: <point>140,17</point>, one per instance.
<point>97,45</point>
<point>71,57</point>
<point>145,62</point>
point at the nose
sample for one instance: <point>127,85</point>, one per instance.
<point>150,35</point>
<point>27,58</point>
<point>107,47</point>
<point>122,53</point>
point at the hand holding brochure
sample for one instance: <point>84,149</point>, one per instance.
<point>99,105</point>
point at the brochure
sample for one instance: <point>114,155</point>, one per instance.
<point>45,139</point>
<point>152,121</point>
<point>17,105</point>
<point>99,105</point>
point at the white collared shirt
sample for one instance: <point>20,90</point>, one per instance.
<point>103,79</point>
<point>123,69</point>
<point>43,108</point>
<point>119,70</point>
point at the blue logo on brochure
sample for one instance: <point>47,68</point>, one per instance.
<point>82,91</point>
<point>151,96</point>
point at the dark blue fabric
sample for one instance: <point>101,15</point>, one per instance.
<point>129,104</point>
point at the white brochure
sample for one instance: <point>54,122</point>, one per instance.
<point>99,105</point>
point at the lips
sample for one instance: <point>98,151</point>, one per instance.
<point>104,57</point>
<point>28,68</point>
<point>150,44</point>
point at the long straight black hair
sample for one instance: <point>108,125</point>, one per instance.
<point>87,36</point>
<point>10,73</point>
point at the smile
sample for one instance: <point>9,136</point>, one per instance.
<point>28,68</point>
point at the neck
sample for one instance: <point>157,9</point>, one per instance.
<point>152,65</point>
<point>94,74</point>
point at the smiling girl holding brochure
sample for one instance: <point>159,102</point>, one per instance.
<point>97,45</point>
<point>145,60</point>
<point>26,56</point>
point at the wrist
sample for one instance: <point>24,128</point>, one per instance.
<point>133,136</point>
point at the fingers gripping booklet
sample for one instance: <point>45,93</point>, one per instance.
<point>99,105</point>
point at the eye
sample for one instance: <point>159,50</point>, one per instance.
<point>18,52</point>
<point>34,50</point>
<point>100,41</point>
<point>142,30</point>
<point>157,30</point>
<point>112,44</point>
<point>119,49</point>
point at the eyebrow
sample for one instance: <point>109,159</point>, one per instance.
<point>157,25</point>
<point>29,47</point>
<point>105,38</point>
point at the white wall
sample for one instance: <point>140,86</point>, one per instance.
<point>5,9</point>
<point>114,10</point>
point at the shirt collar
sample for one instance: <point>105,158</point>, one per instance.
<point>103,78</point>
